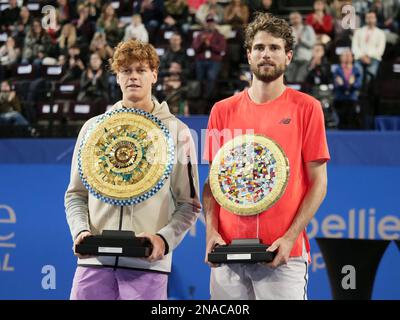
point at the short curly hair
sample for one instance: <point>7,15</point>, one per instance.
<point>277,27</point>
<point>128,52</point>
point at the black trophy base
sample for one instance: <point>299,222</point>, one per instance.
<point>241,251</point>
<point>115,243</point>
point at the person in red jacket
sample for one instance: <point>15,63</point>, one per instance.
<point>210,47</point>
<point>321,22</point>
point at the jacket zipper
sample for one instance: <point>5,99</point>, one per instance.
<point>191,183</point>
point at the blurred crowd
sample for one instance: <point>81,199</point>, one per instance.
<point>344,52</point>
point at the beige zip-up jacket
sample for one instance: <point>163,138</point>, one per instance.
<point>171,212</point>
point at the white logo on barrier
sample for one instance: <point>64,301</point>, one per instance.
<point>5,265</point>
<point>361,224</point>
<point>7,241</point>
<point>349,281</point>
<point>358,225</point>
<point>49,280</point>
<point>317,262</point>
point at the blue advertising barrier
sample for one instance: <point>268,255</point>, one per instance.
<point>36,260</point>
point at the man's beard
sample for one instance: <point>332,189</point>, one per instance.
<point>269,75</point>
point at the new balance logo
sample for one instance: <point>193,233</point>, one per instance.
<point>285,121</point>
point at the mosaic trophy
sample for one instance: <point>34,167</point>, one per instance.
<point>248,175</point>
<point>124,158</point>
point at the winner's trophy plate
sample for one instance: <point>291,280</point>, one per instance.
<point>248,175</point>
<point>124,158</point>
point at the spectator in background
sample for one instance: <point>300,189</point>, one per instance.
<point>194,5</point>
<point>175,52</point>
<point>210,8</point>
<point>174,93</point>
<point>152,14</point>
<point>176,14</point>
<point>210,47</point>
<point>236,14</point>
<point>386,13</point>
<point>99,45</point>
<point>10,106</point>
<point>319,69</point>
<point>94,82</point>
<point>321,22</point>
<point>368,46</point>
<point>64,11</point>
<point>9,15</point>
<point>347,83</point>
<point>21,27</point>
<point>61,60</point>
<point>73,65</point>
<point>318,84</point>
<point>94,9</point>
<point>304,42</point>
<point>85,29</point>
<point>37,44</point>
<point>244,82</point>
<point>361,8</point>
<point>67,39</point>
<point>265,6</point>
<point>110,25</point>
<point>136,30</point>
<point>334,8</point>
<point>9,53</point>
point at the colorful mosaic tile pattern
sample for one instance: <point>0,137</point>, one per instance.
<point>249,174</point>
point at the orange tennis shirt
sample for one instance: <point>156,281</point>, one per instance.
<point>295,121</point>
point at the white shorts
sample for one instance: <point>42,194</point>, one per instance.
<point>239,281</point>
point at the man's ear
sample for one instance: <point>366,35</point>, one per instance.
<point>289,57</point>
<point>248,52</point>
<point>155,76</point>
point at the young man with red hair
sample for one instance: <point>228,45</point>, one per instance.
<point>164,218</point>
